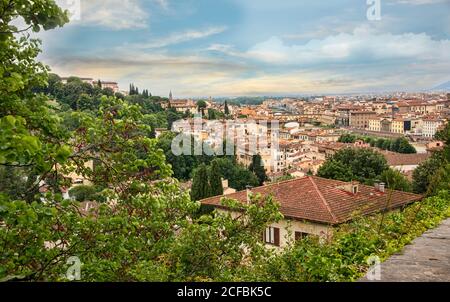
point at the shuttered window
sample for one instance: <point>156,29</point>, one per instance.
<point>300,235</point>
<point>272,236</point>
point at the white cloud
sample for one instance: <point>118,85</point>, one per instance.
<point>114,14</point>
<point>163,3</point>
<point>363,45</point>
<point>179,37</point>
<point>417,2</point>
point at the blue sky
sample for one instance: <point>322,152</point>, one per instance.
<point>200,48</point>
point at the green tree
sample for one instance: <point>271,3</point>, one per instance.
<point>226,109</point>
<point>440,181</point>
<point>347,138</point>
<point>201,106</point>
<point>257,167</point>
<point>215,179</point>
<point>238,176</point>
<point>335,169</point>
<point>364,165</point>
<point>395,180</point>
<point>423,174</point>
<point>200,183</point>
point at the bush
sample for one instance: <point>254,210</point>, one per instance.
<point>85,193</point>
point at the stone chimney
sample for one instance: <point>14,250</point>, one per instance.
<point>224,183</point>
<point>381,186</point>
<point>352,187</point>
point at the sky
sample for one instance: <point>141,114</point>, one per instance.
<point>202,48</point>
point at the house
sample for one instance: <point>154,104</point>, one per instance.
<point>404,162</point>
<point>312,205</point>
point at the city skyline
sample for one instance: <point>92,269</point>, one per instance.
<point>232,48</point>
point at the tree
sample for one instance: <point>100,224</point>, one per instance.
<point>440,181</point>
<point>395,180</point>
<point>211,114</point>
<point>336,170</point>
<point>148,232</point>
<point>200,184</point>
<point>347,138</point>
<point>423,174</point>
<point>239,177</point>
<point>226,109</point>
<point>215,179</point>
<point>257,167</point>
<point>85,193</point>
<point>364,165</point>
<point>201,105</point>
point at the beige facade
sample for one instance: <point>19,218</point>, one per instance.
<point>375,124</point>
<point>397,126</point>
<point>290,229</point>
<point>360,119</point>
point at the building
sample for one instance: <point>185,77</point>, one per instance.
<point>84,80</point>
<point>431,125</point>
<point>313,206</point>
<point>112,85</point>
<point>183,105</point>
<point>360,119</point>
<point>404,163</point>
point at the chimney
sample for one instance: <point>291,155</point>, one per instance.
<point>381,186</point>
<point>225,183</point>
<point>376,186</point>
<point>352,187</point>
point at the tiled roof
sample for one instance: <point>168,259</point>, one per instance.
<point>400,159</point>
<point>323,200</point>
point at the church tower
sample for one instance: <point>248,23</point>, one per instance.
<point>170,96</point>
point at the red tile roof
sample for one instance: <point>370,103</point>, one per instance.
<point>401,159</point>
<point>323,200</point>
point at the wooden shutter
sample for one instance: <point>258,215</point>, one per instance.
<point>276,240</point>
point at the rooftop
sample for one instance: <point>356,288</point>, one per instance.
<point>323,200</point>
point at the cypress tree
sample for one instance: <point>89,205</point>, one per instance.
<point>215,179</point>
<point>257,168</point>
<point>226,110</point>
<point>200,184</point>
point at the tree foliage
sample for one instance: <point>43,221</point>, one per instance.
<point>364,165</point>
<point>257,167</point>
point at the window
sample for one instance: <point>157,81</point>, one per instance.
<point>300,235</point>
<point>272,236</point>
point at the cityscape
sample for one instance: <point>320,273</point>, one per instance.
<point>135,148</point>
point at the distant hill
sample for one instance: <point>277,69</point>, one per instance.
<point>443,86</point>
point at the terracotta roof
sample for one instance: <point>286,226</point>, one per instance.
<point>323,200</point>
<point>400,159</point>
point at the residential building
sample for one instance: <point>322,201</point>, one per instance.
<point>312,206</point>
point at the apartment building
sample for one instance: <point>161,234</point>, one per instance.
<point>360,119</point>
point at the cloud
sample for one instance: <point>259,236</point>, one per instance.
<point>163,3</point>
<point>113,14</point>
<point>363,45</point>
<point>418,2</point>
<point>180,37</point>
